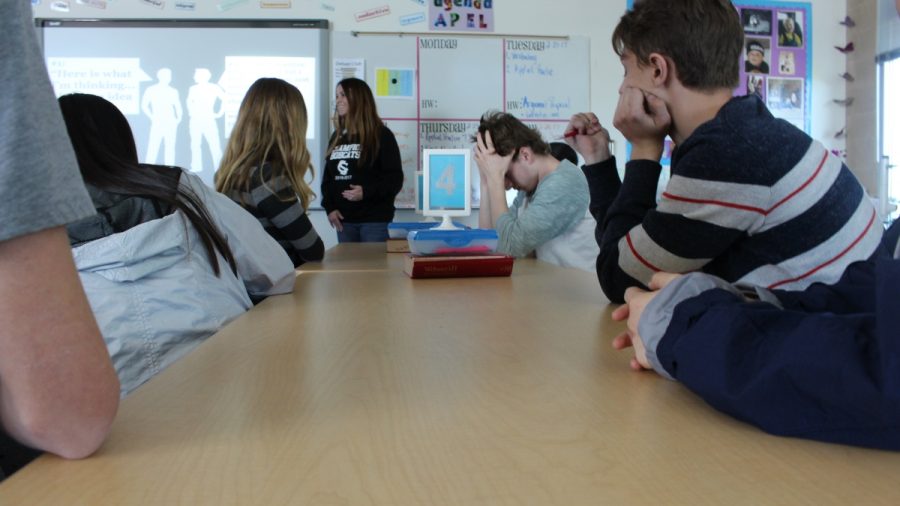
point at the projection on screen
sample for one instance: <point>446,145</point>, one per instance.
<point>181,88</point>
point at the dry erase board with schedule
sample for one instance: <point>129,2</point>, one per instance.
<point>431,90</point>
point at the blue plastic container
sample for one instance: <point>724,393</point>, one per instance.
<point>453,242</point>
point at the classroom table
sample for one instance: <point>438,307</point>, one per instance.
<point>365,387</point>
<point>360,256</point>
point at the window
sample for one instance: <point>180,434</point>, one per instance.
<point>890,129</point>
<point>888,58</point>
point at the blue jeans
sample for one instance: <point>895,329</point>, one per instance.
<point>363,232</point>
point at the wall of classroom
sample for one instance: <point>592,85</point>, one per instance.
<point>594,19</point>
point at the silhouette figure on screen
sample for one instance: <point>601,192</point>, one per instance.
<point>162,104</point>
<point>202,99</point>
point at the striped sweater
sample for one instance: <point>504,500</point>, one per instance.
<point>285,221</point>
<point>752,200</point>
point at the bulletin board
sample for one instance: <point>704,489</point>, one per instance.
<point>432,90</point>
<point>783,79</point>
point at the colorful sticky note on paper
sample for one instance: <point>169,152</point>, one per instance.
<point>394,83</point>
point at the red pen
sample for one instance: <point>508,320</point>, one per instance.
<point>568,135</point>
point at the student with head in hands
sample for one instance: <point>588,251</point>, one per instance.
<point>166,261</point>
<point>363,171</point>
<point>266,165</point>
<point>58,390</point>
<point>549,216</point>
<point>752,199</point>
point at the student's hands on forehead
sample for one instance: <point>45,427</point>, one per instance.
<point>490,164</point>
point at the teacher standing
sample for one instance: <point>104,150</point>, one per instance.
<point>363,172</point>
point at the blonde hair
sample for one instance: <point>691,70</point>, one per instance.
<point>270,127</point>
<point>361,123</point>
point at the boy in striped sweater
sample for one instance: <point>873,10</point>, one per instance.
<point>752,199</point>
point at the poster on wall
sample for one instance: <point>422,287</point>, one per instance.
<point>776,60</point>
<point>456,16</point>
<point>777,57</point>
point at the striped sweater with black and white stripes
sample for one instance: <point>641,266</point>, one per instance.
<point>285,220</point>
<point>752,199</point>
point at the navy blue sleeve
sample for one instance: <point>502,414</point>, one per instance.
<point>618,207</point>
<point>852,292</point>
<point>825,376</point>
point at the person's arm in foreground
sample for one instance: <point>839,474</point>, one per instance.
<point>58,389</point>
<point>825,376</point>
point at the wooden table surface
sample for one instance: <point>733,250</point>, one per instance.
<point>356,257</point>
<point>365,387</point>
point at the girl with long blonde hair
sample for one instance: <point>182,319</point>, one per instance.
<point>363,172</point>
<point>266,165</point>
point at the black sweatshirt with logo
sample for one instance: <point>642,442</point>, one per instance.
<point>381,179</point>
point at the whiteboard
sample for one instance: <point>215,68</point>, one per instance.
<point>541,81</point>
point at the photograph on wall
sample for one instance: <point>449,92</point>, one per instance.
<point>756,55</point>
<point>787,63</point>
<point>790,29</point>
<point>785,99</point>
<point>756,85</point>
<point>757,21</point>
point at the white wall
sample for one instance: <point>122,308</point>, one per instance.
<point>595,19</point>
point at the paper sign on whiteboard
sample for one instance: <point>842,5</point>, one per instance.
<point>349,67</point>
<point>395,83</point>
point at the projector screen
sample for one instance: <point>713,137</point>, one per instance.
<point>180,83</point>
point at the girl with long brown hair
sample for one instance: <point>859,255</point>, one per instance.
<point>266,164</point>
<point>363,172</point>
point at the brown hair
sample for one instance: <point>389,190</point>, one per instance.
<point>509,134</point>
<point>361,123</point>
<point>703,38</point>
<point>270,127</point>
